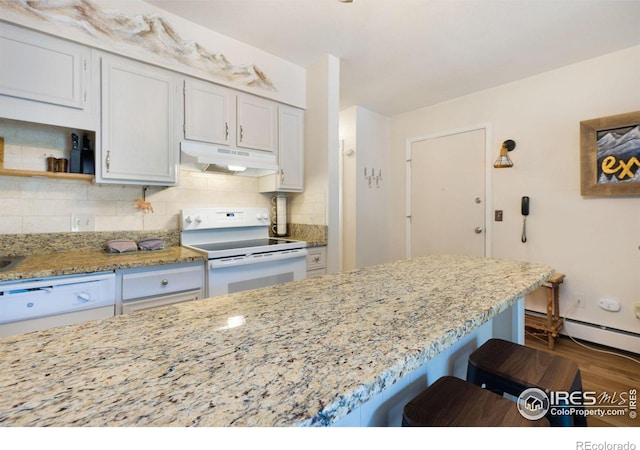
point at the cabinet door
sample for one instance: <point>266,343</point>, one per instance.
<point>291,148</point>
<point>44,79</point>
<point>290,176</point>
<point>138,128</point>
<point>257,126</point>
<point>38,67</point>
<point>208,109</point>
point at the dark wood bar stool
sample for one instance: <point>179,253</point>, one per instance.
<point>452,402</point>
<point>506,367</point>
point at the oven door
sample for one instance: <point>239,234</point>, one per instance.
<point>236,274</point>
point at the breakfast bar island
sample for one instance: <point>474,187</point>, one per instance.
<point>344,349</point>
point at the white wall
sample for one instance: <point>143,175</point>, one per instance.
<point>594,241</point>
<point>320,154</point>
<point>365,200</point>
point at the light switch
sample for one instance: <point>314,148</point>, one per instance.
<point>82,222</point>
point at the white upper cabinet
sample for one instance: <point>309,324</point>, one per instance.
<point>291,149</point>
<point>290,177</point>
<point>257,125</point>
<point>218,115</point>
<point>45,79</point>
<point>209,113</point>
<point>139,144</point>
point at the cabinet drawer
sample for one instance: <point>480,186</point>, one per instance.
<point>161,282</point>
<point>316,273</point>
<point>316,258</point>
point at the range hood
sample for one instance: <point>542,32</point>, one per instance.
<point>211,158</point>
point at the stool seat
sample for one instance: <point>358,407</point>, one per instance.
<point>507,367</point>
<point>452,402</point>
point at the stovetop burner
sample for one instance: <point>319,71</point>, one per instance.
<point>231,232</point>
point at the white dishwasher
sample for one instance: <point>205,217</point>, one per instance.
<point>37,304</point>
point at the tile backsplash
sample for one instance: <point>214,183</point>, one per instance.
<point>34,205</point>
<point>45,205</point>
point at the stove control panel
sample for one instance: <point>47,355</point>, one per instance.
<point>207,218</point>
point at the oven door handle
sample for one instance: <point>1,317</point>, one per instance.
<point>257,258</point>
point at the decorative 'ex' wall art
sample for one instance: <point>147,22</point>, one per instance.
<point>610,155</point>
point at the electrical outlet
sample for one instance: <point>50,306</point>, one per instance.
<point>498,215</point>
<point>580,299</point>
<point>82,222</point>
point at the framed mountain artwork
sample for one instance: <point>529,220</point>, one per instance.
<point>610,155</point>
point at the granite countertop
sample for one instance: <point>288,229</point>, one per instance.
<point>88,261</point>
<point>299,353</point>
<point>313,235</point>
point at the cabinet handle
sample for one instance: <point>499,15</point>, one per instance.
<point>164,282</point>
<point>226,131</point>
<point>241,133</point>
<point>281,175</point>
<point>108,160</point>
<point>316,259</point>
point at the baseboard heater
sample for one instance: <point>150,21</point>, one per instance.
<point>599,334</point>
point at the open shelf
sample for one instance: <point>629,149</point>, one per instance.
<point>38,173</point>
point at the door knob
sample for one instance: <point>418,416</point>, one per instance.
<point>478,230</point>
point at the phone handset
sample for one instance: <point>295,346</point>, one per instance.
<point>524,209</point>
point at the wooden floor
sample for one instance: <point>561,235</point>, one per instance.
<point>601,372</point>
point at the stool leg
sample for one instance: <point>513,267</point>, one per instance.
<point>579,420</point>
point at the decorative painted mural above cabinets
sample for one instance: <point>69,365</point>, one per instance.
<point>138,118</point>
<point>141,31</point>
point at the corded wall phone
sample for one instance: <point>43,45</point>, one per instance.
<point>524,209</point>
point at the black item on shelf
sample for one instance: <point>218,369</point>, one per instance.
<point>75,159</point>
<point>88,157</point>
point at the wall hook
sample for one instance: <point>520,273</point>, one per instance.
<point>142,203</point>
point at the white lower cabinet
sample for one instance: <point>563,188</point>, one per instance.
<point>316,261</point>
<point>152,287</point>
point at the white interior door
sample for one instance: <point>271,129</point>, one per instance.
<point>447,195</point>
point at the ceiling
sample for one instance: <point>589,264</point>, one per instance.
<point>400,55</point>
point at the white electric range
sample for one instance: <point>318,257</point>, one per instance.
<point>241,254</point>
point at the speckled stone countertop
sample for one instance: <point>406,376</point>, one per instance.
<point>87,261</point>
<point>313,235</point>
<point>300,353</point>
<point>55,254</point>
